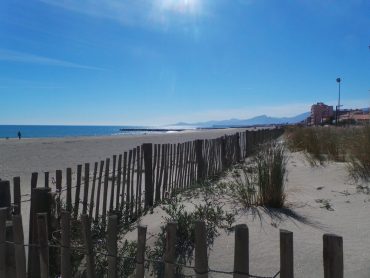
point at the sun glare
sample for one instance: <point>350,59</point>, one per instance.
<point>181,6</point>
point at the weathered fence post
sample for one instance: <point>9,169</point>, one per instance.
<point>92,195</point>
<point>111,201</point>
<point>200,159</point>
<point>86,188</point>
<point>69,190</point>
<point>201,259</point>
<point>286,254</point>
<point>78,190</point>
<point>40,203</point>
<point>34,177</point>
<point>140,255</point>
<point>105,191</point>
<point>223,153</point>
<point>17,195</point>
<point>66,244</point>
<point>112,246</point>
<point>237,148</point>
<point>43,242</point>
<point>97,207</point>
<point>119,179</point>
<point>46,178</point>
<point>5,200</point>
<point>241,252</point>
<point>90,262</point>
<point>3,216</point>
<point>170,254</point>
<point>20,254</point>
<point>58,180</point>
<point>148,150</point>
<point>333,256</point>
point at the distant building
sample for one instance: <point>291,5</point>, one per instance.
<point>354,116</point>
<point>321,114</point>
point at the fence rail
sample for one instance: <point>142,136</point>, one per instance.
<point>129,184</point>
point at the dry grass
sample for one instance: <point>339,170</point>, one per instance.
<point>359,155</point>
<point>319,143</point>
<point>343,144</point>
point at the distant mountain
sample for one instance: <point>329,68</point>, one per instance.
<point>259,120</point>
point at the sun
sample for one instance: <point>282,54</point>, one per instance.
<point>181,6</point>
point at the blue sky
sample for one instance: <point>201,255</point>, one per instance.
<point>162,61</point>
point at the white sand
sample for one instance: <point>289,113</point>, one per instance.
<point>349,219</point>
<point>22,157</point>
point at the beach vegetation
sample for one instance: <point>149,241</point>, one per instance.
<point>341,144</point>
<point>207,210</point>
<point>261,181</point>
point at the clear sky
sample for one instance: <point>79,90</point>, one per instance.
<point>163,61</point>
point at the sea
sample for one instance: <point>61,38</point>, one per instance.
<point>57,131</point>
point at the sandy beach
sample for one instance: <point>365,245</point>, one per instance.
<point>307,188</point>
<point>307,218</point>
<point>22,157</point>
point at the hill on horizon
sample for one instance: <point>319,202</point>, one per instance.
<point>258,120</point>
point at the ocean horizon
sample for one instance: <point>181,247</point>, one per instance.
<point>58,131</point>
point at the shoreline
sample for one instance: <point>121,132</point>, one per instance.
<point>22,157</point>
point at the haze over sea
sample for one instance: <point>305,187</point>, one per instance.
<point>50,131</point>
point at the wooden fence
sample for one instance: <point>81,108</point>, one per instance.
<point>332,251</point>
<point>125,184</point>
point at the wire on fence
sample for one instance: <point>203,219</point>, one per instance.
<point>83,250</point>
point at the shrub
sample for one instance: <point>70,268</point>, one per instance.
<point>209,212</point>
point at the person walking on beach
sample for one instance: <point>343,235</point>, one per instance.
<point>19,135</point>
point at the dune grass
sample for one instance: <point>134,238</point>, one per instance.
<point>342,144</point>
<point>320,144</point>
<point>359,155</point>
<point>261,183</point>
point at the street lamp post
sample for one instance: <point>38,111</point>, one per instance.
<point>338,107</point>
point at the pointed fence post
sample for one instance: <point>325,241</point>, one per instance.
<point>112,246</point>
<point>333,256</point>
<point>200,159</point>
<point>140,256</point>
<point>286,254</point>
<point>17,195</point>
<point>170,254</point>
<point>20,254</point>
<point>86,188</point>
<point>241,253</point>
<point>201,258</point>
<point>148,150</point>
<point>77,192</point>
<point>5,200</point>
<point>69,190</point>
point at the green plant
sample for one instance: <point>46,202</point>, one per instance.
<point>213,215</point>
<point>262,182</point>
<point>271,168</point>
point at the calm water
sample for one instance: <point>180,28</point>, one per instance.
<point>44,131</point>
